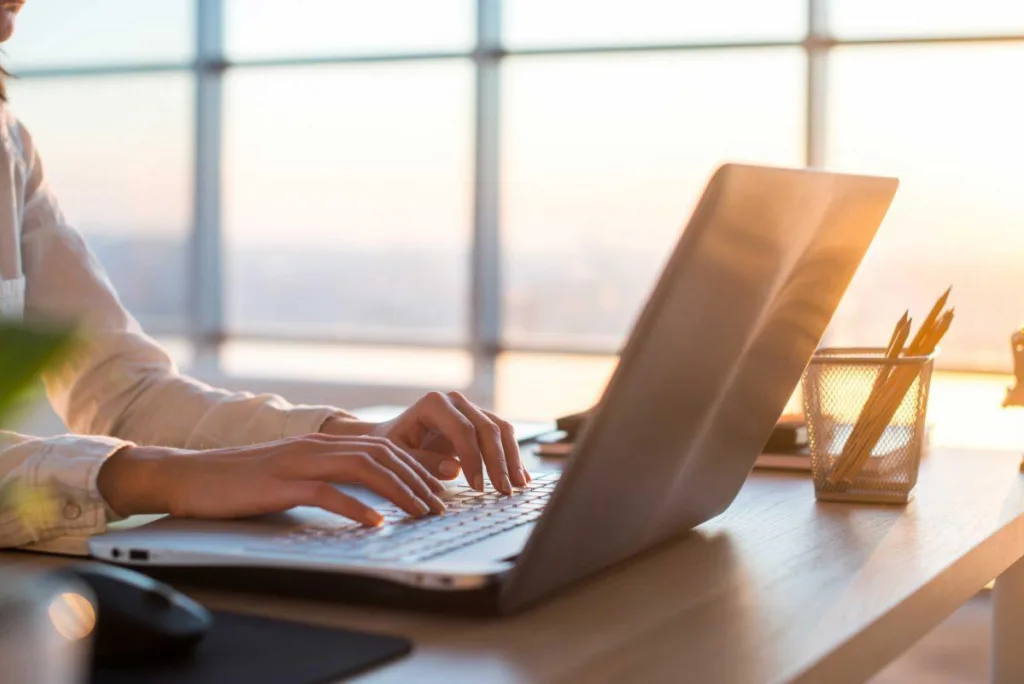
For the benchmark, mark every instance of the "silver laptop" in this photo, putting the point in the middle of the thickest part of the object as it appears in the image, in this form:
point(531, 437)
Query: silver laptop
point(711, 362)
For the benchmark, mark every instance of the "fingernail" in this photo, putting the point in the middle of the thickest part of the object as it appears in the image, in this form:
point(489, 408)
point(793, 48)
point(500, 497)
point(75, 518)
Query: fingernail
point(449, 468)
point(374, 519)
point(518, 480)
point(508, 484)
point(526, 475)
point(478, 483)
point(422, 507)
point(437, 505)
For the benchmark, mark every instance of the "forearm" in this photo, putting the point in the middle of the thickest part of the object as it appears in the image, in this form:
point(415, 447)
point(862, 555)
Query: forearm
point(346, 426)
point(123, 385)
point(137, 480)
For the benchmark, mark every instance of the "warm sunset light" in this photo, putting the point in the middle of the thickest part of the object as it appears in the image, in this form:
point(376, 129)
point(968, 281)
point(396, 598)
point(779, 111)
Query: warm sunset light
point(352, 178)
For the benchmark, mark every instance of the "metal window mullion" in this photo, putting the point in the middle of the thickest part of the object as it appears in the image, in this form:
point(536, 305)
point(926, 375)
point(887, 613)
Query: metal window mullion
point(485, 275)
point(205, 296)
point(817, 47)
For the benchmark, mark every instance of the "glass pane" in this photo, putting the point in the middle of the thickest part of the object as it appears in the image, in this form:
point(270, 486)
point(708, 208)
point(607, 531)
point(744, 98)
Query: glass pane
point(603, 160)
point(545, 386)
point(80, 32)
point(122, 170)
point(268, 28)
point(554, 23)
point(955, 140)
point(888, 18)
point(348, 197)
point(323, 363)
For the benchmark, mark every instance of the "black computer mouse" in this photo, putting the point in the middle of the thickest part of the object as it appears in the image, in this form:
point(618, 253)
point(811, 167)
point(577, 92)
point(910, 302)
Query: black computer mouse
point(139, 620)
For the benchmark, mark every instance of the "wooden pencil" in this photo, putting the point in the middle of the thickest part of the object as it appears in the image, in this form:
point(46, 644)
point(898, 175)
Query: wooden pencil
point(931, 318)
point(896, 342)
point(891, 397)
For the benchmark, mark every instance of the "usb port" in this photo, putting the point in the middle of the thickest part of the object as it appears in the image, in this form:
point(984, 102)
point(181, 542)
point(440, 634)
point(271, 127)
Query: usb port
point(137, 555)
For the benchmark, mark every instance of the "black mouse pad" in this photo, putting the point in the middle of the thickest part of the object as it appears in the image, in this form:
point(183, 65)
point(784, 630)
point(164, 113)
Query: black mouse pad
point(256, 650)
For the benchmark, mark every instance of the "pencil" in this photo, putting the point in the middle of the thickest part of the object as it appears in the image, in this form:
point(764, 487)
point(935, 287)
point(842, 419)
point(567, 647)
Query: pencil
point(896, 342)
point(881, 410)
point(930, 319)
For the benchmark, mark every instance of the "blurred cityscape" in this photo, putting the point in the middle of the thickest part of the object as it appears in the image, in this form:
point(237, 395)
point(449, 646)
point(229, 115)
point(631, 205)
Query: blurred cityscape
point(411, 294)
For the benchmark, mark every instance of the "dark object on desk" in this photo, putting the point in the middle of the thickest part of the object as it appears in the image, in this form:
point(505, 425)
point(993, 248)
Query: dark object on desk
point(798, 461)
point(573, 424)
point(243, 648)
point(1015, 394)
point(789, 436)
point(140, 620)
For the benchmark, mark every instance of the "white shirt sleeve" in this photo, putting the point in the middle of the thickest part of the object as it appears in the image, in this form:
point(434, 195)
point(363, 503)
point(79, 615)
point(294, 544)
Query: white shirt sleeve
point(118, 383)
point(49, 486)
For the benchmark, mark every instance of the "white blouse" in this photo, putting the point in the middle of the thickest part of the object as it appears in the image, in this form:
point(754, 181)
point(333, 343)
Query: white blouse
point(118, 387)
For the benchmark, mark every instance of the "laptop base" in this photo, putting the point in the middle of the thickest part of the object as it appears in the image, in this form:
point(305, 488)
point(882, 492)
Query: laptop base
point(308, 584)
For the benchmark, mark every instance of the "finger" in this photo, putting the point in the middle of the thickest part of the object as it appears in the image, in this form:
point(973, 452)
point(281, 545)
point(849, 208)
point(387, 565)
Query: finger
point(326, 496)
point(422, 473)
point(392, 458)
point(488, 436)
point(442, 465)
point(419, 473)
point(436, 411)
point(513, 458)
point(385, 482)
point(355, 464)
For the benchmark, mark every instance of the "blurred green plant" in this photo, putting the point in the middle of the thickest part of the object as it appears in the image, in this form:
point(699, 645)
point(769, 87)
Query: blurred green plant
point(25, 351)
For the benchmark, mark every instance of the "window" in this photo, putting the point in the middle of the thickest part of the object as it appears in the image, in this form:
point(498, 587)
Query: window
point(269, 29)
point(348, 200)
point(954, 137)
point(924, 18)
point(561, 23)
point(121, 167)
point(479, 194)
point(588, 218)
point(73, 34)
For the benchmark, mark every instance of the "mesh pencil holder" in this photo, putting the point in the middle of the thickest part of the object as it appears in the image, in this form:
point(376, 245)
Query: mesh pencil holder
point(866, 422)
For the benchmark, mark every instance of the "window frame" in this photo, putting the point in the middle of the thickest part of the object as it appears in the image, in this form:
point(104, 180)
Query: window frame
point(205, 314)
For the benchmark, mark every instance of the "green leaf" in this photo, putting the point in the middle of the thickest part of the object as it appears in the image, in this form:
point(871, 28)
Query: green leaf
point(25, 351)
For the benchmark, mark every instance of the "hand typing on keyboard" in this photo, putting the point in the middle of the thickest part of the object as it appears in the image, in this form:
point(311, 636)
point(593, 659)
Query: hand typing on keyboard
point(400, 459)
point(471, 517)
point(267, 478)
point(446, 432)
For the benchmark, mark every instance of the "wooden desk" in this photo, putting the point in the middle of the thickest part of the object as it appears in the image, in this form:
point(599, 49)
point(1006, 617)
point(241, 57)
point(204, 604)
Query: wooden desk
point(779, 588)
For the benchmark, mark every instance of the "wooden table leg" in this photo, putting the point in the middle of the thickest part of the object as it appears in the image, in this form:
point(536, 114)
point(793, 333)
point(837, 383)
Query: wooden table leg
point(1008, 626)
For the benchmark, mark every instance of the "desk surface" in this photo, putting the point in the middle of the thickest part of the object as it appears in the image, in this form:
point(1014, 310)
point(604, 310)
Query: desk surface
point(778, 588)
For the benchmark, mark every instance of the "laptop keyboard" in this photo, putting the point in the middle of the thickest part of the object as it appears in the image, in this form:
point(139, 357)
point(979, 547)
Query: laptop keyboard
point(472, 516)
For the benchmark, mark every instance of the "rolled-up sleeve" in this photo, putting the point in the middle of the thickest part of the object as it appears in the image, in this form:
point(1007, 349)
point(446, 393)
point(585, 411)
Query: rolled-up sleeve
point(49, 487)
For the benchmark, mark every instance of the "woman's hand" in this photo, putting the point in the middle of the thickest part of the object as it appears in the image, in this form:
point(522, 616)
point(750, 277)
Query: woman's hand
point(267, 478)
point(440, 428)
